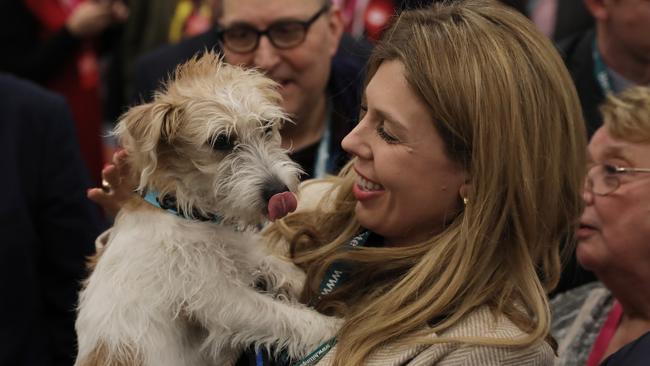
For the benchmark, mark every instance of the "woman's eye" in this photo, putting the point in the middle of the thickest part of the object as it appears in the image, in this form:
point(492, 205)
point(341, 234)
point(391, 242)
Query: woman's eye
point(222, 143)
point(381, 131)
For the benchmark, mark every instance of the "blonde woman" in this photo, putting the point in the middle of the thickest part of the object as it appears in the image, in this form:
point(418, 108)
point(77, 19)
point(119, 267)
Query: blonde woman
point(439, 240)
point(595, 320)
point(468, 166)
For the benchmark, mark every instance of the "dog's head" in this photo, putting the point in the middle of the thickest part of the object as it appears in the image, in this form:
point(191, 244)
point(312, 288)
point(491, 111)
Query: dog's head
point(211, 139)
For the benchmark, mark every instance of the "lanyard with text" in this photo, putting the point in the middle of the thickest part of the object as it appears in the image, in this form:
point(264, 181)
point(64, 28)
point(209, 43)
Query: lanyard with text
point(600, 70)
point(337, 272)
point(333, 278)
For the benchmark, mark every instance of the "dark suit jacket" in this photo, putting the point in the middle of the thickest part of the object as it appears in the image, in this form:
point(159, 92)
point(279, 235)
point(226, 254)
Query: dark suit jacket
point(577, 53)
point(344, 87)
point(571, 17)
point(47, 226)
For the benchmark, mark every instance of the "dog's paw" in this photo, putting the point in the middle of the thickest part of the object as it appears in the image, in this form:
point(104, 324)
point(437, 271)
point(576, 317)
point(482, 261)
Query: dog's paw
point(283, 279)
point(294, 282)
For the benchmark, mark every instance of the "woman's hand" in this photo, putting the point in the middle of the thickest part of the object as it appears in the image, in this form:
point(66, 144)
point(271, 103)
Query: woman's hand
point(117, 185)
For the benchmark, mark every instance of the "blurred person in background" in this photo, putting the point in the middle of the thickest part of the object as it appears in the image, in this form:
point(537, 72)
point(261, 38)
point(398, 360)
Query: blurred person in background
point(559, 19)
point(595, 320)
point(47, 226)
point(152, 24)
point(611, 57)
point(56, 44)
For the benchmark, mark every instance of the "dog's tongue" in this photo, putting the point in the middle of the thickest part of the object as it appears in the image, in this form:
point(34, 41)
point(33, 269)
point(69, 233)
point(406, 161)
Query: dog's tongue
point(281, 204)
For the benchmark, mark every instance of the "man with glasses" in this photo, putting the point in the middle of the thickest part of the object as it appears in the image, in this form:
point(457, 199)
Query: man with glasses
point(295, 43)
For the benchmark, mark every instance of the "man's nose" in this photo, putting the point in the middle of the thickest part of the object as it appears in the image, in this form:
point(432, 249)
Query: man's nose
point(266, 55)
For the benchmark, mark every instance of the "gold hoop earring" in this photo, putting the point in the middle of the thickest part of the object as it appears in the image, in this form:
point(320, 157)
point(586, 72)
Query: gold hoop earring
point(465, 201)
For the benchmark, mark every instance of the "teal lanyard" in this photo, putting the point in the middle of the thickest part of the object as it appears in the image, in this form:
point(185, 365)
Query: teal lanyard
point(334, 276)
point(321, 165)
point(337, 272)
point(152, 198)
point(319, 353)
point(600, 71)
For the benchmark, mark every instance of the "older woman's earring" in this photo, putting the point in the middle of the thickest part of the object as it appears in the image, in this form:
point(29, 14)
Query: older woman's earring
point(465, 201)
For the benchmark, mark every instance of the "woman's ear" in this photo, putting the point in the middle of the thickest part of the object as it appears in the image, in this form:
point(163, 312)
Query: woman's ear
point(464, 192)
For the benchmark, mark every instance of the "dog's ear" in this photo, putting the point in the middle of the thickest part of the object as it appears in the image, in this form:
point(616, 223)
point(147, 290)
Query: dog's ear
point(171, 120)
point(141, 131)
point(151, 123)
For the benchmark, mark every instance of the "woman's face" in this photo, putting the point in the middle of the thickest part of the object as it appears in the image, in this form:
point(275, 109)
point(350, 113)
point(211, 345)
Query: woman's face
point(614, 233)
point(407, 188)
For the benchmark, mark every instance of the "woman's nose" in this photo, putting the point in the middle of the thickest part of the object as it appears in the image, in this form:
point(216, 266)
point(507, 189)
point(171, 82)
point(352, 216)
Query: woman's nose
point(356, 142)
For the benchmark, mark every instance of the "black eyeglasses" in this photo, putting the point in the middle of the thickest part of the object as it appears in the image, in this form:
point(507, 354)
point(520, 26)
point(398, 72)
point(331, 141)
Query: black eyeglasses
point(244, 38)
point(603, 179)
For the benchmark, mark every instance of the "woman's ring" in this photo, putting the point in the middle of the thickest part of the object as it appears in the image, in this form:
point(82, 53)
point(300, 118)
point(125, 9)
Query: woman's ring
point(106, 187)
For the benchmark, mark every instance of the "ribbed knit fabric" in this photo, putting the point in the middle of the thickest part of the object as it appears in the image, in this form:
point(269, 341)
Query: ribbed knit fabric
point(480, 323)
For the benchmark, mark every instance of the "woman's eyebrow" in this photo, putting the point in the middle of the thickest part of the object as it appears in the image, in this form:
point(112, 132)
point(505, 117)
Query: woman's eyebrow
point(391, 119)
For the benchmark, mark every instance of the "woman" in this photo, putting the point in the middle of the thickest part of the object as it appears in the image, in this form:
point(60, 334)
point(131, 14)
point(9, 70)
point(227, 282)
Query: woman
point(439, 240)
point(467, 162)
point(595, 320)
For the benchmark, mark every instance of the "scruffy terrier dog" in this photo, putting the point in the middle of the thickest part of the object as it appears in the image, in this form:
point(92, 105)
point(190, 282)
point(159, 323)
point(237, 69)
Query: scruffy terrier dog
point(175, 285)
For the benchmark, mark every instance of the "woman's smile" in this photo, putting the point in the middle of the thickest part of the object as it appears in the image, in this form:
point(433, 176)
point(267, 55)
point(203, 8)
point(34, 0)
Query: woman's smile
point(365, 189)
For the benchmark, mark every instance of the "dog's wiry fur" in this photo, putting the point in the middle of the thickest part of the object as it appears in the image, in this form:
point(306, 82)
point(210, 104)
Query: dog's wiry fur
point(169, 290)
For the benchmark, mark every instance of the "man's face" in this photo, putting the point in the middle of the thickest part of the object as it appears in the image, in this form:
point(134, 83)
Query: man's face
point(302, 71)
point(628, 23)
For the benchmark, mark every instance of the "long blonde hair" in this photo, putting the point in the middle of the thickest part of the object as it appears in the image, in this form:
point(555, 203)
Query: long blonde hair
point(508, 112)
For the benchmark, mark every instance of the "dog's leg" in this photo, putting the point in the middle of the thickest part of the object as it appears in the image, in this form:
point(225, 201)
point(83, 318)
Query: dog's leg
point(254, 318)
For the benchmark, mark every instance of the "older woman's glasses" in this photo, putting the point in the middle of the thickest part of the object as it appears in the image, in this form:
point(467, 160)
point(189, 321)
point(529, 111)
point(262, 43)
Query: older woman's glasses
point(603, 179)
point(244, 38)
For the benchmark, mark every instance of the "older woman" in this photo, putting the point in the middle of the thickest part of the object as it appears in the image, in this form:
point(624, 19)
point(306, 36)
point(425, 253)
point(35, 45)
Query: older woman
point(595, 320)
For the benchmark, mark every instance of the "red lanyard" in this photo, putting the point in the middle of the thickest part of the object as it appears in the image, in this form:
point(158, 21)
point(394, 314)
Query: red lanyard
point(605, 336)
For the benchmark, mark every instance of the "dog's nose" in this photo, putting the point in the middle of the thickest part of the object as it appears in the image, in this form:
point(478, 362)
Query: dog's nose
point(273, 188)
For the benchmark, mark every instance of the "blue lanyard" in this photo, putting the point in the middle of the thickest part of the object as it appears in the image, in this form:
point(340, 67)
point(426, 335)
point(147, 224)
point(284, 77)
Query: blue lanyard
point(321, 165)
point(333, 278)
point(600, 71)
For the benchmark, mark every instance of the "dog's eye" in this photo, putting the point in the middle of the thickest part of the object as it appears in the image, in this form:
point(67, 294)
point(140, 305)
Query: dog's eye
point(268, 128)
point(222, 143)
